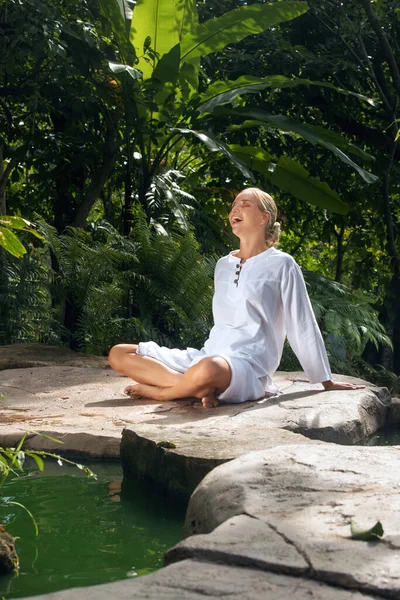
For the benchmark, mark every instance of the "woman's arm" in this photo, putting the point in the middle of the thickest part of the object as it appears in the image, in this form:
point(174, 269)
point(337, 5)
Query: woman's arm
point(303, 332)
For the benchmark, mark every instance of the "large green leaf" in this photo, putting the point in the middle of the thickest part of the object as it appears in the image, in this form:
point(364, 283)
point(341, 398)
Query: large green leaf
point(223, 92)
point(292, 177)
point(315, 135)
point(189, 77)
point(11, 243)
point(186, 15)
point(233, 26)
point(256, 159)
point(15, 222)
point(215, 145)
point(188, 19)
point(114, 12)
point(167, 68)
point(325, 134)
point(154, 27)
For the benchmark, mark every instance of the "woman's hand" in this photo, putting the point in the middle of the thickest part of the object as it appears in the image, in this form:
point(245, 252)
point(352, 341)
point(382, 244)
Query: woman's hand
point(337, 385)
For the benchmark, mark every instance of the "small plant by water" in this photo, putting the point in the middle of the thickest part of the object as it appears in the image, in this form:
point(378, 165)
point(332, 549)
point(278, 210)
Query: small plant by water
point(12, 462)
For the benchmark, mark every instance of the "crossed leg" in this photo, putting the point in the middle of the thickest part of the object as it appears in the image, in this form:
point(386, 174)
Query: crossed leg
point(205, 380)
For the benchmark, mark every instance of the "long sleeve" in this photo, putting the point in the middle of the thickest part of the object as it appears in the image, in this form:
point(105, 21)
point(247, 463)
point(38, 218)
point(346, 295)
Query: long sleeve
point(301, 326)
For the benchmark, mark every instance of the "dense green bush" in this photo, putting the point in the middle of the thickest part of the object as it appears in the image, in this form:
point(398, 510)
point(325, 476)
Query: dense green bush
point(153, 286)
point(119, 289)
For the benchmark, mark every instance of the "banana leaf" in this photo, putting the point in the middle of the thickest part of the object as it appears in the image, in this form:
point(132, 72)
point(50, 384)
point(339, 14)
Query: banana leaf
point(233, 26)
point(223, 92)
point(154, 31)
point(291, 177)
point(314, 135)
point(215, 145)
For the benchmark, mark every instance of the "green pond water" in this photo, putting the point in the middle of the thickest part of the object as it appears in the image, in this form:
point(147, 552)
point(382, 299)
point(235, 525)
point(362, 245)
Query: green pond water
point(384, 437)
point(90, 531)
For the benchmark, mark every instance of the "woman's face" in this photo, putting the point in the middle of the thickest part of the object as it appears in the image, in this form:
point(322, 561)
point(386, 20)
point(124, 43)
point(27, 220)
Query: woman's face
point(245, 216)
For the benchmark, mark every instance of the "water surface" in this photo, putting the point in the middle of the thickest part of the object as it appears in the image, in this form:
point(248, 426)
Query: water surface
point(384, 437)
point(90, 531)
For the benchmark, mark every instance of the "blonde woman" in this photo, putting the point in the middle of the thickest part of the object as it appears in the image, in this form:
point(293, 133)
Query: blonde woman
point(260, 299)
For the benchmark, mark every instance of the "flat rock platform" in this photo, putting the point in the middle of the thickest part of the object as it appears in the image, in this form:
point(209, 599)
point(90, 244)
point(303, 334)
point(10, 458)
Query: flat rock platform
point(271, 520)
point(175, 443)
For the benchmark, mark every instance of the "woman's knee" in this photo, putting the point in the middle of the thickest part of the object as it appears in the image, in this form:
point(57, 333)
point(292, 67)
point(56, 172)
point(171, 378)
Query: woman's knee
point(119, 352)
point(212, 371)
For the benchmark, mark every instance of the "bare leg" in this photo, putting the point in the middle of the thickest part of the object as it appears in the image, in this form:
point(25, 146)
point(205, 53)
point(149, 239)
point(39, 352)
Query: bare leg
point(210, 377)
point(143, 369)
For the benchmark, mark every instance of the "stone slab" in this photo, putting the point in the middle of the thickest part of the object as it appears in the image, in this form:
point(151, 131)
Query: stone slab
point(87, 409)
point(302, 498)
point(22, 356)
point(192, 580)
point(197, 450)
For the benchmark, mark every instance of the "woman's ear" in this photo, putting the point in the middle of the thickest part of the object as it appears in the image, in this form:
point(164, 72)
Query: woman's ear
point(265, 217)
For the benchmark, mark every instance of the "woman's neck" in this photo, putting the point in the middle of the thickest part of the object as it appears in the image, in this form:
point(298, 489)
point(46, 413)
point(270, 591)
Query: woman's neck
point(251, 248)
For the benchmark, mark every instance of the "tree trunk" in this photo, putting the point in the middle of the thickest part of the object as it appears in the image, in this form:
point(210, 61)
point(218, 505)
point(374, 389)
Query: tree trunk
point(4, 302)
point(5, 173)
point(340, 253)
point(99, 179)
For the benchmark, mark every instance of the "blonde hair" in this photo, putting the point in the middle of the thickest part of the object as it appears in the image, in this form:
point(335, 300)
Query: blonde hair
point(267, 204)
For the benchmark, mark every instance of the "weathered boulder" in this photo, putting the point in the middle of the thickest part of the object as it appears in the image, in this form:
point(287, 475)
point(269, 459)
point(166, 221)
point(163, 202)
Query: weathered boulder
point(86, 409)
point(178, 452)
point(276, 521)
point(194, 580)
point(8, 555)
point(288, 510)
point(177, 458)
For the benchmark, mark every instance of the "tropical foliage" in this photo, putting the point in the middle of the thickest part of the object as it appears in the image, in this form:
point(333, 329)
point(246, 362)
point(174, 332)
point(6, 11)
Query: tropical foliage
point(128, 127)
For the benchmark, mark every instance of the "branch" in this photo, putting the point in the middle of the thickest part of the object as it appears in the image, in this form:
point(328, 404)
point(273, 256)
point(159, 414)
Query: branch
point(6, 174)
point(385, 100)
point(384, 43)
point(388, 213)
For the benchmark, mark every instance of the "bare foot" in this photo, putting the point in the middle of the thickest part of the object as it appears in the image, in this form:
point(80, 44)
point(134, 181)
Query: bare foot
point(210, 401)
point(337, 385)
point(141, 390)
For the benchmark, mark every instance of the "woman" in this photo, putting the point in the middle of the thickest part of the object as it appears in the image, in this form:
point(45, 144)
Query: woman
point(260, 298)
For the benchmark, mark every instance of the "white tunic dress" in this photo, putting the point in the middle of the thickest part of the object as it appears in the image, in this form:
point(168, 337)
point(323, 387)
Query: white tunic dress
point(251, 321)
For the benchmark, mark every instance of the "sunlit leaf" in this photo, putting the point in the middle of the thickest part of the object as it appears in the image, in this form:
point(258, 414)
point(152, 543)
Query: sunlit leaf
point(47, 437)
point(366, 535)
point(11, 243)
point(292, 177)
point(153, 25)
point(29, 513)
point(233, 26)
point(257, 159)
point(117, 69)
point(37, 460)
point(315, 135)
point(21, 459)
point(215, 145)
point(223, 92)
